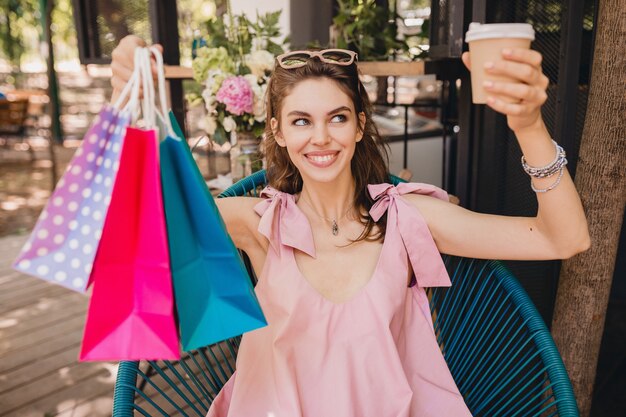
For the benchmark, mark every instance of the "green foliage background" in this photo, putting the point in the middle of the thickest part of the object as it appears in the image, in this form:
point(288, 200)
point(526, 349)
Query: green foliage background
point(20, 27)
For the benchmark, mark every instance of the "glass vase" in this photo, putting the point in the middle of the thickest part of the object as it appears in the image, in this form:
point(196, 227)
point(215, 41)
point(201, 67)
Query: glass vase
point(245, 155)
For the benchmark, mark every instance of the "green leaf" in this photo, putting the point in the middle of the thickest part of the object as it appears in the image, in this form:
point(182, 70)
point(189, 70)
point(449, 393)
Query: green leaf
point(340, 19)
point(258, 129)
point(274, 49)
point(220, 136)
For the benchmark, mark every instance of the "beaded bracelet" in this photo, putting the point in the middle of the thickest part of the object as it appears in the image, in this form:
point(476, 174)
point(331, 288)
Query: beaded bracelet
point(557, 165)
point(550, 187)
point(549, 170)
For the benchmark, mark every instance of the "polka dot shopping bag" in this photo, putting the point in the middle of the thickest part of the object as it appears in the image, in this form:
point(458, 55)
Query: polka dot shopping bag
point(62, 246)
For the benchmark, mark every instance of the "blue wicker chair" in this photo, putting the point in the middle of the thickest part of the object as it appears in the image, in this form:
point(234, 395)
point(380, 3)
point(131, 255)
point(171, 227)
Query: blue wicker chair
point(497, 347)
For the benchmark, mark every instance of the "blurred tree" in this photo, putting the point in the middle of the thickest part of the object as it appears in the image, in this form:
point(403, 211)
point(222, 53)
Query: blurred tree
point(17, 17)
point(63, 31)
point(21, 31)
point(46, 7)
point(193, 16)
point(366, 28)
point(119, 18)
point(585, 280)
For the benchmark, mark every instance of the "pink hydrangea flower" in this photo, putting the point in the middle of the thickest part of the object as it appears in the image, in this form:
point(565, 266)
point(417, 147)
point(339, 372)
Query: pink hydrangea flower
point(237, 95)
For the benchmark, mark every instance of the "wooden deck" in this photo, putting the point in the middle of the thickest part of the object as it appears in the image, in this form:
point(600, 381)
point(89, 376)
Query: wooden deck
point(41, 326)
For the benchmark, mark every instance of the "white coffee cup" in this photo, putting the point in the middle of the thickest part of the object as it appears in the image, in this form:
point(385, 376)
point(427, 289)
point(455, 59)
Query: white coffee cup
point(486, 42)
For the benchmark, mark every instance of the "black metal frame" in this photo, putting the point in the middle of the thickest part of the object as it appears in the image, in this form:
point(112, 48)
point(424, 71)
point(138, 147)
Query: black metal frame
point(85, 18)
point(163, 17)
point(454, 12)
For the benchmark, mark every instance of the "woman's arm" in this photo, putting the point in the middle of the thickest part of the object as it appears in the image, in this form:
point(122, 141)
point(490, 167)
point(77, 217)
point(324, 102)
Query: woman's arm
point(242, 222)
point(458, 231)
point(559, 229)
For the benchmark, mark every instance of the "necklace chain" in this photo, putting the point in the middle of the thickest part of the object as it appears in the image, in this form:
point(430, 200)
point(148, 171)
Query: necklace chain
point(334, 225)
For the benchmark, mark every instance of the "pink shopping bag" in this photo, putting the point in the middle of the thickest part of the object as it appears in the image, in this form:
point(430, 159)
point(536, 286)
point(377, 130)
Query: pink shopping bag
point(63, 244)
point(131, 312)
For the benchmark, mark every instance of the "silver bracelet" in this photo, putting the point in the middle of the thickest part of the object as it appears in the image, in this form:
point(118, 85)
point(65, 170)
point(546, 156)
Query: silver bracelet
point(551, 186)
point(548, 170)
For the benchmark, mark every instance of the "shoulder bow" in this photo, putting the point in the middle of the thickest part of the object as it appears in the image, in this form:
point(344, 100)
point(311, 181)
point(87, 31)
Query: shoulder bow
point(423, 254)
point(282, 222)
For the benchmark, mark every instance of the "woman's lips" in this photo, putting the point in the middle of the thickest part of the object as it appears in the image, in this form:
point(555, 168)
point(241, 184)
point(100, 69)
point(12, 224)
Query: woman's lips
point(322, 159)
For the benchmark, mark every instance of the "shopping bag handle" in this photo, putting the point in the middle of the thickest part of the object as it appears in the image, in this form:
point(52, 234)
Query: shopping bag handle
point(151, 110)
point(130, 89)
point(142, 77)
point(161, 88)
point(126, 91)
point(147, 103)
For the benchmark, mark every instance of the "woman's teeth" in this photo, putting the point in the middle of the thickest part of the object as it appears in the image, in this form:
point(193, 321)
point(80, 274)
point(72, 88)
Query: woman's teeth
point(324, 158)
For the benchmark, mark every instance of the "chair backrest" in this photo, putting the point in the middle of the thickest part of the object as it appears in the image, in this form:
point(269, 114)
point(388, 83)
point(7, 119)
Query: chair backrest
point(495, 343)
point(13, 114)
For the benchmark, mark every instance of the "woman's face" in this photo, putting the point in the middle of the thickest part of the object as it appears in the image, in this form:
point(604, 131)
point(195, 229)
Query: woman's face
point(319, 128)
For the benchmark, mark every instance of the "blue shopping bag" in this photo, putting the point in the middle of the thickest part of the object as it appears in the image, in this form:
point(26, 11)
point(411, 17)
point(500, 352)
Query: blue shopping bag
point(214, 296)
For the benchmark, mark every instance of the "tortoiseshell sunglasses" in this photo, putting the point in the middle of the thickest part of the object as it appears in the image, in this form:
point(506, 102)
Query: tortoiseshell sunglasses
point(297, 59)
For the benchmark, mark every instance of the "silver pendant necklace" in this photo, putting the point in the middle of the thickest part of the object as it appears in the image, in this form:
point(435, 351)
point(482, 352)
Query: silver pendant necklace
point(333, 222)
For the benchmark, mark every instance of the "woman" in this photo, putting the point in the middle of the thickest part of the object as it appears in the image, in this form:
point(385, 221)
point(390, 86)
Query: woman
point(343, 258)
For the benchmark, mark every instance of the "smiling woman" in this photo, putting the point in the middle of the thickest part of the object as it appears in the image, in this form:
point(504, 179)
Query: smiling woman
point(318, 115)
point(343, 258)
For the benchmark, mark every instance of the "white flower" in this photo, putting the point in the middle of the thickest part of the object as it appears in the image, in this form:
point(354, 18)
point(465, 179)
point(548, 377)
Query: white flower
point(259, 44)
point(259, 96)
point(259, 111)
point(209, 99)
point(229, 124)
point(214, 80)
point(209, 124)
point(259, 62)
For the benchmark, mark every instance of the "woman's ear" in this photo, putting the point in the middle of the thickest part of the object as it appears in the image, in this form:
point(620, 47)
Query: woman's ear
point(361, 127)
point(278, 137)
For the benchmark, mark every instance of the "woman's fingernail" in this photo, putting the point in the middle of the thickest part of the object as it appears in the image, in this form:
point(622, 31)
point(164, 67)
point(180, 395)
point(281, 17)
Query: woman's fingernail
point(507, 52)
point(491, 100)
point(489, 65)
point(488, 84)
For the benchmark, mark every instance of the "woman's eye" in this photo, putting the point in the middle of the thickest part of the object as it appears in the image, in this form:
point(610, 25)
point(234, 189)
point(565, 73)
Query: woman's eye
point(300, 122)
point(339, 118)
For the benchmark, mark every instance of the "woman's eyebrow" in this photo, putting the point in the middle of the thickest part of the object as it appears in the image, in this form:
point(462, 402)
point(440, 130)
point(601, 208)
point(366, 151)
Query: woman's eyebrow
point(302, 113)
point(339, 109)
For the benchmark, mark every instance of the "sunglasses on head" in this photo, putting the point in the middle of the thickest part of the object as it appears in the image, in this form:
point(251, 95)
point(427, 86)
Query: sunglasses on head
point(297, 59)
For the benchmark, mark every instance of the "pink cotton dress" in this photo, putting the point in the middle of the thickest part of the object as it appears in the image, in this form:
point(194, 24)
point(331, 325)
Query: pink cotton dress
point(374, 355)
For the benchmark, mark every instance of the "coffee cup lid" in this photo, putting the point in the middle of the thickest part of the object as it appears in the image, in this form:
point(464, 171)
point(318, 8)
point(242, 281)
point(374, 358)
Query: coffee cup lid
point(479, 31)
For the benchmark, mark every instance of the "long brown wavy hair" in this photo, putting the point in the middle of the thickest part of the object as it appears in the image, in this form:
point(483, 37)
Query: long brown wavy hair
point(370, 161)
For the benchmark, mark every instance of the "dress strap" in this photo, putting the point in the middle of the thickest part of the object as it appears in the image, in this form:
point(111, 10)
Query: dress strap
point(424, 256)
point(282, 222)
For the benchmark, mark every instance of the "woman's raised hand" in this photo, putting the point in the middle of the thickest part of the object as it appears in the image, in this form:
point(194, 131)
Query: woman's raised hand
point(123, 62)
point(520, 100)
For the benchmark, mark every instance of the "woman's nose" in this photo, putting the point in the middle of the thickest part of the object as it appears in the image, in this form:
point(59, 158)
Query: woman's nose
point(320, 135)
